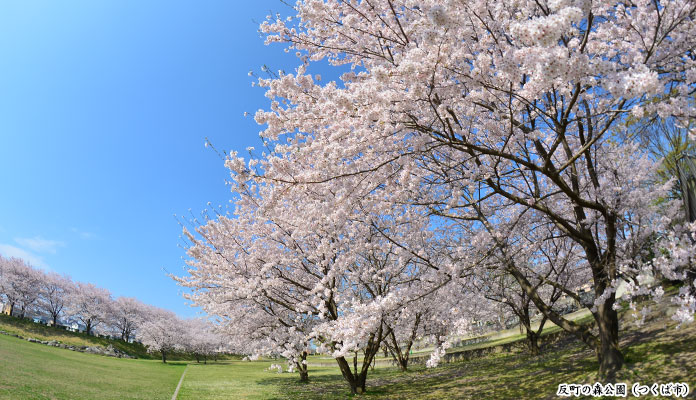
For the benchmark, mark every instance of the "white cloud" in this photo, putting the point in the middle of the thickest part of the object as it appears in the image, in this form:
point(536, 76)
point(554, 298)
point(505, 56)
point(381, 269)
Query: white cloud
point(8, 250)
point(40, 245)
point(83, 234)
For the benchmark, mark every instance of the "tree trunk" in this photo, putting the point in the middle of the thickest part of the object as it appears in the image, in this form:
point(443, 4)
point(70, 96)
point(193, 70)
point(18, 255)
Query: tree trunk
point(89, 327)
point(302, 367)
point(164, 356)
point(533, 342)
point(532, 336)
point(304, 376)
point(356, 380)
point(608, 352)
point(401, 357)
point(55, 320)
point(12, 306)
point(357, 385)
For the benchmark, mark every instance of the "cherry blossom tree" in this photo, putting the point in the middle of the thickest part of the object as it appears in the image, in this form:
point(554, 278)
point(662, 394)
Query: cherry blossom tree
point(260, 328)
point(201, 339)
point(55, 293)
point(280, 278)
point(7, 294)
point(127, 314)
point(6, 284)
point(20, 284)
point(488, 112)
point(162, 332)
point(91, 305)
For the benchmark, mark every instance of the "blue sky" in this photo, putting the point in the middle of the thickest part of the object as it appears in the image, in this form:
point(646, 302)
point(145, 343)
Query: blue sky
point(104, 107)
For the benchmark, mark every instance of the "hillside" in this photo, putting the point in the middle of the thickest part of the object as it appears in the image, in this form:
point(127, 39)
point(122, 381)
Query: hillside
point(29, 329)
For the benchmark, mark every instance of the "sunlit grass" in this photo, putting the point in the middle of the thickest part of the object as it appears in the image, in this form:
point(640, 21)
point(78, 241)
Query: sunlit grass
point(35, 371)
point(654, 352)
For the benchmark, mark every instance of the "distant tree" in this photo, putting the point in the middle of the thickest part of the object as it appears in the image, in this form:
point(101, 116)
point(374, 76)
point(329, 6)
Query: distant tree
point(90, 305)
point(201, 340)
point(127, 315)
point(162, 332)
point(20, 284)
point(55, 292)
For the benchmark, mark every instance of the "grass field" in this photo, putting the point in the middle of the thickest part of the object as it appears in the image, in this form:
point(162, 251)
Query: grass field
point(35, 371)
point(655, 352)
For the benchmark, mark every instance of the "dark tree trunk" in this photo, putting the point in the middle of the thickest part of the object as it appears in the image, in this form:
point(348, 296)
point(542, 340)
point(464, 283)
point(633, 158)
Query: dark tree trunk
point(401, 357)
point(55, 320)
point(532, 336)
point(533, 343)
point(304, 376)
point(89, 327)
point(12, 307)
point(603, 272)
point(357, 380)
point(608, 352)
point(164, 356)
point(302, 367)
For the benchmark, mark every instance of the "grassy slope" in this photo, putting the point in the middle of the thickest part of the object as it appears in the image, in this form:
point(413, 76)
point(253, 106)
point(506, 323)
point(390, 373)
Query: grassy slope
point(35, 371)
point(28, 328)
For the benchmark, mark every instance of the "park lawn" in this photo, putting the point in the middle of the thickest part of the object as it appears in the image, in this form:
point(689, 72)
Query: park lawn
point(655, 352)
point(249, 380)
point(35, 371)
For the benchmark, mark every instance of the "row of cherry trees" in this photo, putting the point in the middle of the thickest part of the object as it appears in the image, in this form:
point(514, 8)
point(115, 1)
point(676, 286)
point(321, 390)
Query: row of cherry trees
point(468, 154)
point(29, 291)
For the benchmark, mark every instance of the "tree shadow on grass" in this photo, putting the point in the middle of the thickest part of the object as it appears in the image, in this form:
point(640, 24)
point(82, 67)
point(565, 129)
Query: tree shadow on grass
point(656, 352)
point(500, 376)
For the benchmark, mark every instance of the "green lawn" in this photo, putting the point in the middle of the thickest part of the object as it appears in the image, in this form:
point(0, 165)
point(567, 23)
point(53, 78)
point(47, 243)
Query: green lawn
point(35, 371)
point(655, 352)
point(243, 380)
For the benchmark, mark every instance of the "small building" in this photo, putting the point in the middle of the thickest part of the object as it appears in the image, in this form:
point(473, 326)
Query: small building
point(43, 320)
point(74, 326)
